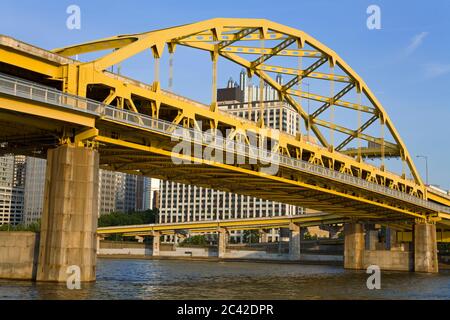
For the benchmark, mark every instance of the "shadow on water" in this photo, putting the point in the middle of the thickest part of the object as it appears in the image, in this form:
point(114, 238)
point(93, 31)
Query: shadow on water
point(176, 279)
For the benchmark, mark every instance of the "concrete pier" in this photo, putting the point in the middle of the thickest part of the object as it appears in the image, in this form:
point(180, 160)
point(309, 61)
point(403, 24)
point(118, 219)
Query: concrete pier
point(371, 239)
point(69, 219)
point(425, 248)
point(294, 242)
point(263, 236)
point(156, 244)
point(222, 243)
point(354, 246)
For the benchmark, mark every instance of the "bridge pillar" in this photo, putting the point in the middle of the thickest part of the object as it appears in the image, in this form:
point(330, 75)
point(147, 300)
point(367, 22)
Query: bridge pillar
point(294, 242)
point(70, 214)
point(391, 239)
point(263, 236)
point(354, 246)
point(156, 243)
point(99, 238)
point(425, 248)
point(371, 238)
point(222, 243)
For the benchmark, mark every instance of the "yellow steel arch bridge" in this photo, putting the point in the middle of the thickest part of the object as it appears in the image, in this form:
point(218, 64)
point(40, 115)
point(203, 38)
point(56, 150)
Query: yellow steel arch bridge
point(49, 98)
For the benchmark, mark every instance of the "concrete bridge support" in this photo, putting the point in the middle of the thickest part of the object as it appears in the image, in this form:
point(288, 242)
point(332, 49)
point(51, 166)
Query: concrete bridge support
point(69, 218)
point(99, 238)
point(354, 246)
point(371, 238)
point(425, 248)
point(156, 243)
point(222, 243)
point(294, 242)
point(263, 236)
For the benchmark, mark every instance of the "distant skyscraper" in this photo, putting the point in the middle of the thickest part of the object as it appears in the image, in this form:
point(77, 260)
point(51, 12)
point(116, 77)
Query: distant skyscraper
point(12, 183)
point(120, 192)
point(34, 189)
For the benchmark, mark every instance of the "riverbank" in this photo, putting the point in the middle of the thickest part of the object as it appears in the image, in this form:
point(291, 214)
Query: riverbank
point(215, 259)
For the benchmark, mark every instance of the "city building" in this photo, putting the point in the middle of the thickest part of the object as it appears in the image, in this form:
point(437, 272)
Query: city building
point(34, 189)
point(12, 184)
point(185, 203)
point(22, 183)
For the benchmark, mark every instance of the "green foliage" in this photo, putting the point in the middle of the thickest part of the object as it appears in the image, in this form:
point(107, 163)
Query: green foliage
point(308, 236)
point(251, 236)
point(199, 240)
point(127, 219)
point(34, 227)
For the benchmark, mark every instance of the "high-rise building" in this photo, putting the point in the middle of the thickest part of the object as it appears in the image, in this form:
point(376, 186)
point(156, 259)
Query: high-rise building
point(22, 183)
point(34, 189)
point(12, 183)
point(184, 203)
point(121, 192)
point(151, 193)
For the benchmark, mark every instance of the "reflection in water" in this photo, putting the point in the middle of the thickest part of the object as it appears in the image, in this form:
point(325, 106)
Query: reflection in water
point(176, 279)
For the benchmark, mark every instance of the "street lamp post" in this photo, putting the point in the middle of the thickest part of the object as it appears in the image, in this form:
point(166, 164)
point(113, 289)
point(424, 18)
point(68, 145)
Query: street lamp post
point(426, 166)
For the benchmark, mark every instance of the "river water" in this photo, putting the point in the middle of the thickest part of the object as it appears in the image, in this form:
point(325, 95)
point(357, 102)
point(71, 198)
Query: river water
point(181, 279)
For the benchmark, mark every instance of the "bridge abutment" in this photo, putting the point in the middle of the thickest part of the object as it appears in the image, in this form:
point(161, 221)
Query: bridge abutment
point(70, 214)
point(425, 248)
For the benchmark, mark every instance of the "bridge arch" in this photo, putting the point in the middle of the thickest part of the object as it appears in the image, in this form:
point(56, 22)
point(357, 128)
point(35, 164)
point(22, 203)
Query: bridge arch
point(223, 37)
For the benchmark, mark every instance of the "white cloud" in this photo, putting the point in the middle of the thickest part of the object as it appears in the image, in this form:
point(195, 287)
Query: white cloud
point(416, 42)
point(433, 70)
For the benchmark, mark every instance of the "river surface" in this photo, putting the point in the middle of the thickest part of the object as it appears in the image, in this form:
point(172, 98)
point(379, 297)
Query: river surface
point(180, 279)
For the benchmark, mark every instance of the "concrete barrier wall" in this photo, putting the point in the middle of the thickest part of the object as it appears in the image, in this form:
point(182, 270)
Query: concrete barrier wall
point(190, 252)
point(19, 255)
point(212, 253)
point(125, 251)
point(389, 260)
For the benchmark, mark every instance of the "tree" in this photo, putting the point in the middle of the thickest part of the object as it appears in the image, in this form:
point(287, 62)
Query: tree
point(33, 227)
point(251, 236)
point(199, 240)
point(127, 219)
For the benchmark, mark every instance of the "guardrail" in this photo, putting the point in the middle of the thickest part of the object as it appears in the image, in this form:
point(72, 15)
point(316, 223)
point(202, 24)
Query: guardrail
point(29, 90)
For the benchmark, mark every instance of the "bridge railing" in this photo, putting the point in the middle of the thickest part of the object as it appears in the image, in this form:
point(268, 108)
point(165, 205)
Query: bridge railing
point(29, 90)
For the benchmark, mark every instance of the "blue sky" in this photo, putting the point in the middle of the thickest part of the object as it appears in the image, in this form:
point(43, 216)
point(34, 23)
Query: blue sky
point(406, 63)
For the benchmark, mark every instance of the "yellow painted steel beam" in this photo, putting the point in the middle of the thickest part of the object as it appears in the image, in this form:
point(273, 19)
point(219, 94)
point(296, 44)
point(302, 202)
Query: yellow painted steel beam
point(231, 37)
point(99, 45)
point(34, 108)
point(441, 236)
point(315, 75)
point(345, 104)
point(282, 53)
point(260, 174)
point(31, 63)
point(239, 224)
point(366, 137)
